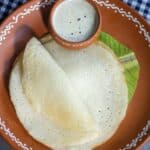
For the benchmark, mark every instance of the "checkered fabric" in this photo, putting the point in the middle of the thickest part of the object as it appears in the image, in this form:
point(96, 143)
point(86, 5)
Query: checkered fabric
point(142, 6)
point(7, 6)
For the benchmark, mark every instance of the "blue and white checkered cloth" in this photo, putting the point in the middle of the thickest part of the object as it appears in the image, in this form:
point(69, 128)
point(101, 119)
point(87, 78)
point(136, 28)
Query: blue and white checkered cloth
point(7, 6)
point(142, 6)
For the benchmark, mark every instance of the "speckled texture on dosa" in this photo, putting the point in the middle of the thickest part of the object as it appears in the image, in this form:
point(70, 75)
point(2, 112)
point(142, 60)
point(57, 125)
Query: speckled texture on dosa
point(7, 6)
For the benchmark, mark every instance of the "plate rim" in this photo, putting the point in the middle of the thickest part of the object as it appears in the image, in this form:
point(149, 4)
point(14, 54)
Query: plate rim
point(134, 12)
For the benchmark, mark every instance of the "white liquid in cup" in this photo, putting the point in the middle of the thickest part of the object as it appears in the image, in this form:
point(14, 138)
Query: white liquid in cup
point(75, 20)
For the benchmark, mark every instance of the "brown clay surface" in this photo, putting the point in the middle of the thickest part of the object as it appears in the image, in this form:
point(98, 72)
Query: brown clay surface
point(119, 27)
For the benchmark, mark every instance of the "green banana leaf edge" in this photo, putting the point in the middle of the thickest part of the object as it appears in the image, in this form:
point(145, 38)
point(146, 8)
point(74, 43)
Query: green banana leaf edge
point(127, 58)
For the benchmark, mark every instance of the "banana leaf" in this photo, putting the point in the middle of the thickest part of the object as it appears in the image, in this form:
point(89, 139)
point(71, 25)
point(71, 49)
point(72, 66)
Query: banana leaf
point(127, 58)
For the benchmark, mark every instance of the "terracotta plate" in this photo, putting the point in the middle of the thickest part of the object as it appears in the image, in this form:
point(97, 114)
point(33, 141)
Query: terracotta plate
point(122, 23)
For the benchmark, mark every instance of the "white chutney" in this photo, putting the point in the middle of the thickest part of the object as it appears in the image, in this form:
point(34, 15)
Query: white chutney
point(75, 20)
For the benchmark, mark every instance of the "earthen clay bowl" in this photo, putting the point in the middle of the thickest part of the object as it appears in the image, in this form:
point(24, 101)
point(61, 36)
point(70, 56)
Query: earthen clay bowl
point(122, 23)
point(74, 45)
